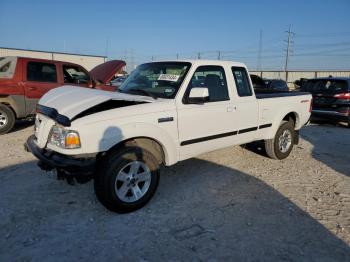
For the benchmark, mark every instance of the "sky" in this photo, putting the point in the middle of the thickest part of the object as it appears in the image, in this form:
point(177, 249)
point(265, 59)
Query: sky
point(139, 31)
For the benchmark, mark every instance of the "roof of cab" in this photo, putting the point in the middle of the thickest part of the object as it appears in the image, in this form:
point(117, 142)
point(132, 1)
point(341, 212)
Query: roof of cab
point(42, 60)
point(200, 62)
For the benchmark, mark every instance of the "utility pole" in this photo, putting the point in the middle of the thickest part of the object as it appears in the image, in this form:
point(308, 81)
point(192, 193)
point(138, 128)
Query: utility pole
point(199, 55)
point(132, 61)
point(258, 67)
point(107, 43)
point(219, 55)
point(288, 51)
point(177, 56)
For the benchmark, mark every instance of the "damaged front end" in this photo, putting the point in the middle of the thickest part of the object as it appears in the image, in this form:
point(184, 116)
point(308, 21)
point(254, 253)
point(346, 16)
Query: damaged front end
point(79, 167)
point(57, 143)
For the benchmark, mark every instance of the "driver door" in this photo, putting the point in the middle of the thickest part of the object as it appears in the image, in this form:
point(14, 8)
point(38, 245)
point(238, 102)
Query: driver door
point(210, 125)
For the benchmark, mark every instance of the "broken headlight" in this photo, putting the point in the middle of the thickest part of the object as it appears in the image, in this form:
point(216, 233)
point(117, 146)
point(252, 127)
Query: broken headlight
point(63, 138)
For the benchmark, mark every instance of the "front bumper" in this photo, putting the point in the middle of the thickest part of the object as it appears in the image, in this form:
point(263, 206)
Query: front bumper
point(48, 160)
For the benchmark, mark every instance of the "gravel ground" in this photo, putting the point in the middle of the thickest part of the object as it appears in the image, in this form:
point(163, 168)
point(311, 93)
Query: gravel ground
point(233, 204)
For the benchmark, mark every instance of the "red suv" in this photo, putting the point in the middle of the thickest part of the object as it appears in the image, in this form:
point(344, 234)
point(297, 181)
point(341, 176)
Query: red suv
point(23, 81)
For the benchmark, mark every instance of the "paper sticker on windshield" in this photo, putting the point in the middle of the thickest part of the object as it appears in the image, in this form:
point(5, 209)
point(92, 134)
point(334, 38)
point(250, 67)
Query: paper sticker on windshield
point(168, 77)
point(169, 90)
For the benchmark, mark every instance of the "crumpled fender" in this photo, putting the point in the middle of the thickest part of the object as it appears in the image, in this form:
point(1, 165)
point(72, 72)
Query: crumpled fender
point(111, 135)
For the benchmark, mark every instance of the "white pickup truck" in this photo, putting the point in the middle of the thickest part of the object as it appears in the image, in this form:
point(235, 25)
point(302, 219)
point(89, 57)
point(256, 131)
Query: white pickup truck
point(163, 113)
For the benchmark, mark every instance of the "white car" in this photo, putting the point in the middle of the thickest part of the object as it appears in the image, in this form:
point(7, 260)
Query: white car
point(163, 113)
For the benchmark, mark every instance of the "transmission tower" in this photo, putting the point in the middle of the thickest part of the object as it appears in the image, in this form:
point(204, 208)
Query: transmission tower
point(289, 50)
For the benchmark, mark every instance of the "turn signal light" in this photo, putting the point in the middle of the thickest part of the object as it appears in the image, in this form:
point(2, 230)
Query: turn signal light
point(72, 140)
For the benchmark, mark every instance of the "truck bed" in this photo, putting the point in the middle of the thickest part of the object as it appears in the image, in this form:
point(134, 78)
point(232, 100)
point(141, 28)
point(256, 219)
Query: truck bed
point(280, 94)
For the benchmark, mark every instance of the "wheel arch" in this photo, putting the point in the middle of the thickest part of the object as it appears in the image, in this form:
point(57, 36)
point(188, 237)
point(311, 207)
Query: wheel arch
point(150, 144)
point(15, 103)
point(284, 116)
point(292, 116)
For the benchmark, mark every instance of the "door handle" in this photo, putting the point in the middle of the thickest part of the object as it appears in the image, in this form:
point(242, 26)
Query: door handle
point(32, 88)
point(231, 109)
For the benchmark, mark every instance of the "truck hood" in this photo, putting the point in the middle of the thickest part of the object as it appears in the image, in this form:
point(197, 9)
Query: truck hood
point(105, 72)
point(70, 101)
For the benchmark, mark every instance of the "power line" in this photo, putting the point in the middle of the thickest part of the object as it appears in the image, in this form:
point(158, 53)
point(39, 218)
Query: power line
point(329, 34)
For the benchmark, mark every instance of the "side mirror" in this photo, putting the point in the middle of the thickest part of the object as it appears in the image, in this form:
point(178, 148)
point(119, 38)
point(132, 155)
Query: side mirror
point(198, 95)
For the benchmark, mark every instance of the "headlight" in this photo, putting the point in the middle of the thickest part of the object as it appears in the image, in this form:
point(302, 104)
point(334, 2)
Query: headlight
point(64, 138)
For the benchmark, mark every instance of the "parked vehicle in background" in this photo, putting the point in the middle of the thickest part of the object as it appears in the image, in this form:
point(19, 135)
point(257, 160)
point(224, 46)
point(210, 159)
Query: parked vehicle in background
point(117, 82)
point(268, 85)
point(277, 85)
point(23, 81)
point(164, 112)
point(331, 98)
point(300, 83)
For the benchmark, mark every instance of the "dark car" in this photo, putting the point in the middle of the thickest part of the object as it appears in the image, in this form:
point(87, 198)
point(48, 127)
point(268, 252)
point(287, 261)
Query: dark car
point(300, 83)
point(276, 85)
point(268, 85)
point(331, 98)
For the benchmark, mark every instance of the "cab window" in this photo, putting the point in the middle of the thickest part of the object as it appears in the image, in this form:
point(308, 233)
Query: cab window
point(213, 78)
point(41, 72)
point(74, 75)
point(242, 82)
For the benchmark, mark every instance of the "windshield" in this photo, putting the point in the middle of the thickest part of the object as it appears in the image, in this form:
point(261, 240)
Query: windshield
point(158, 80)
point(327, 86)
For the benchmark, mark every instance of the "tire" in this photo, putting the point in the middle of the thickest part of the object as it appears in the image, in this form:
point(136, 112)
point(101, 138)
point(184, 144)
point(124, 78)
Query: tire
point(7, 119)
point(273, 146)
point(116, 187)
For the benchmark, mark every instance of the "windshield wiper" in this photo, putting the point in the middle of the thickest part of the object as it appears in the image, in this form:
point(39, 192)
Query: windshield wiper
point(143, 92)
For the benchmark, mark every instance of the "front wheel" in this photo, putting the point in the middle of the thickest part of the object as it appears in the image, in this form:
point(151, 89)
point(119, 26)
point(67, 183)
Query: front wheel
point(126, 179)
point(282, 144)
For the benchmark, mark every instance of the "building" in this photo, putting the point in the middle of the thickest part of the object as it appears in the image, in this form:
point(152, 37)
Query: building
point(87, 61)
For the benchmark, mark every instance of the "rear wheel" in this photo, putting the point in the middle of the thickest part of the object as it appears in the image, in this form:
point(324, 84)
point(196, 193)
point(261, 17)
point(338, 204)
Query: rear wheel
point(7, 119)
point(126, 179)
point(282, 144)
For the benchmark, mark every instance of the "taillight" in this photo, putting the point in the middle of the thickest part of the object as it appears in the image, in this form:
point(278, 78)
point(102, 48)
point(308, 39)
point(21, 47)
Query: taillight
point(345, 96)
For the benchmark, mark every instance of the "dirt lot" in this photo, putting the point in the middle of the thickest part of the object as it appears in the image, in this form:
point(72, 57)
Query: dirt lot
point(233, 204)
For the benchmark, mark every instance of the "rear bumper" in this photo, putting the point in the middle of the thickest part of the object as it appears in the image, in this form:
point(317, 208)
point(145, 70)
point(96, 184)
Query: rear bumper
point(49, 160)
point(332, 115)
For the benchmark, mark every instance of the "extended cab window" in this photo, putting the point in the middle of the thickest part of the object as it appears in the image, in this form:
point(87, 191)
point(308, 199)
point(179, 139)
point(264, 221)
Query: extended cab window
point(41, 72)
point(242, 82)
point(213, 78)
point(74, 75)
